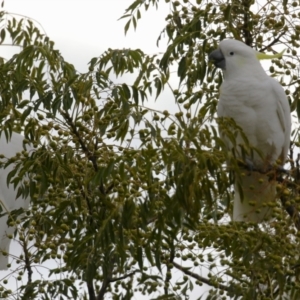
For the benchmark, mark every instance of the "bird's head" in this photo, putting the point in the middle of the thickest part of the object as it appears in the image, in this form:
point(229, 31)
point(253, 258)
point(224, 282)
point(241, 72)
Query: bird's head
point(234, 55)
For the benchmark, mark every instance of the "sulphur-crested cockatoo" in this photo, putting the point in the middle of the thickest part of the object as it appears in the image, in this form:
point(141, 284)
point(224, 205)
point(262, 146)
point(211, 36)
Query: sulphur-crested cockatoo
point(258, 105)
point(8, 195)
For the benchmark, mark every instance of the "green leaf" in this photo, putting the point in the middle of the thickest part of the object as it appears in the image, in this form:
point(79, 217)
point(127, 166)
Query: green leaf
point(93, 61)
point(158, 86)
point(126, 91)
point(2, 35)
point(135, 95)
point(23, 103)
point(298, 108)
point(140, 257)
point(134, 5)
point(127, 26)
point(227, 12)
point(25, 114)
point(182, 68)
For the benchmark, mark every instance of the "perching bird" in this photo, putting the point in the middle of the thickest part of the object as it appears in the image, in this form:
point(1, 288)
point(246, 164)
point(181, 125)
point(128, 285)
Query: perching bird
point(8, 195)
point(258, 104)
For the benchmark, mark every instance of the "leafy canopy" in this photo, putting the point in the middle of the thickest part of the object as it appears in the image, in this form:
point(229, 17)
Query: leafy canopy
point(121, 193)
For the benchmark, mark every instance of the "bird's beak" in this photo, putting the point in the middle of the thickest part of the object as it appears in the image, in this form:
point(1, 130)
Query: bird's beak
point(217, 58)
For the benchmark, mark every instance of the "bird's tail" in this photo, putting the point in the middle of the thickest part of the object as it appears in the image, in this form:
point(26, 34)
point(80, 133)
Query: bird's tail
point(253, 194)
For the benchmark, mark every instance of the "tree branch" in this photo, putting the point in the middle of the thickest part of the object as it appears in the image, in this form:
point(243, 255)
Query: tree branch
point(91, 290)
point(276, 40)
point(92, 158)
point(246, 30)
point(27, 263)
point(122, 277)
point(271, 170)
point(200, 278)
point(293, 212)
point(290, 209)
point(88, 154)
point(104, 286)
point(109, 280)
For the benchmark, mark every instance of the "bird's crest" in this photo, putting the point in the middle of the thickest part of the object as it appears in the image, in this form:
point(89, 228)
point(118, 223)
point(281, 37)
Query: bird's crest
point(260, 55)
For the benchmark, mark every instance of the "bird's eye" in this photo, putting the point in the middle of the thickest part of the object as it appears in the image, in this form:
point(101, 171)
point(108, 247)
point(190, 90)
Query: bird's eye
point(231, 53)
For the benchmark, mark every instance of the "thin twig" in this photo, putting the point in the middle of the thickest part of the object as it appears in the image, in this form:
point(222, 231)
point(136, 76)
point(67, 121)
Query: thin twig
point(276, 40)
point(267, 171)
point(107, 281)
point(27, 263)
point(122, 277)
point(200, 278)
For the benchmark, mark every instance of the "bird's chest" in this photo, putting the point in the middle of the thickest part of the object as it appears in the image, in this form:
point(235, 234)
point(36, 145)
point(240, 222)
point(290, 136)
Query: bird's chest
point(241, 102)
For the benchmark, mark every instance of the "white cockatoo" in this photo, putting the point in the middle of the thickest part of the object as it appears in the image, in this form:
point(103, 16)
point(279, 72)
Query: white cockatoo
point(258, 105)
point(8, 195)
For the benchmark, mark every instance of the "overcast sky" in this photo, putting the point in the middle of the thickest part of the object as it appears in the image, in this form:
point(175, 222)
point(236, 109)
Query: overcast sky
point(82, 29)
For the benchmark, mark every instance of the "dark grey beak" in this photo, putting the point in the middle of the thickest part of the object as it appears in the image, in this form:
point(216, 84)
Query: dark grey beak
point(218, 59)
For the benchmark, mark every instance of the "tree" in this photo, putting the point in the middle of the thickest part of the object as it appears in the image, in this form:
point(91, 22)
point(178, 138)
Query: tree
point(122, 194)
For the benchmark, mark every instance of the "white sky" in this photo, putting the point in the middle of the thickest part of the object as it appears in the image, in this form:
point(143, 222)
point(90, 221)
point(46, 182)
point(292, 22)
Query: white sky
point(83, 29)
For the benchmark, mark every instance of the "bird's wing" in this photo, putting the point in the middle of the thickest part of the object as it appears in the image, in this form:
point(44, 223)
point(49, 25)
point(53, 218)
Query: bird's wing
point(283, 114)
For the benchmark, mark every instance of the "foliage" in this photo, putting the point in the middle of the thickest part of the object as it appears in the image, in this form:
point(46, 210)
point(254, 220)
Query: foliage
point(121, 193)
